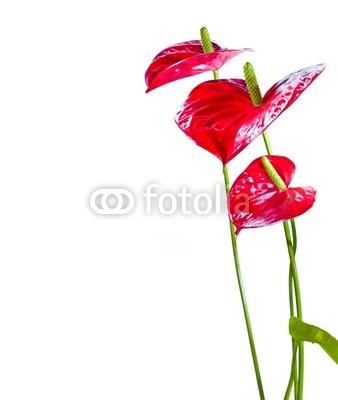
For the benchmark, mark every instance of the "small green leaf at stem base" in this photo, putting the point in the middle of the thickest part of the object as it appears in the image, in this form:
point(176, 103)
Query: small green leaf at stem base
point(303, 332)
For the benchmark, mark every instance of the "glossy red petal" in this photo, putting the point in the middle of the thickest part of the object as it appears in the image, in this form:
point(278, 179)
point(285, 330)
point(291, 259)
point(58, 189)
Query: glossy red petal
point(213, 114)
point(219, 116)
point(283, 93)
point(186, 59)
point(255, 201)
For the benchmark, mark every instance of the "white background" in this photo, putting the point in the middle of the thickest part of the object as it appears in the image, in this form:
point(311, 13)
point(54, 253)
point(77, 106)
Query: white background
point(147, 306)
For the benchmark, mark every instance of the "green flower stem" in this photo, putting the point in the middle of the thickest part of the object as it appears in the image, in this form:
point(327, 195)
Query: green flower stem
point(267, 143)
point(294, 290)
point(293, 372)
point(297, 380)
point(298, 375)
point(295, 279)
point(208, 48)
point(294, 368)
point(242, 293)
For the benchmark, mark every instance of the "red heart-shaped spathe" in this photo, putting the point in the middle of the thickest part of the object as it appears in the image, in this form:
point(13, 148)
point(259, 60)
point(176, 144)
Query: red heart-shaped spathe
point(219, 115)
point(255, 201)
point(186, 59)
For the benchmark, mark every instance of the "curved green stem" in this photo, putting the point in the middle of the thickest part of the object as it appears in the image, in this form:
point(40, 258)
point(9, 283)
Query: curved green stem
point(267, 143)
point(298, 378)
point(293, 371)
point(294, 367)
point(242, 293)
point(296, 287)
point(208, 47)
point(294, 235)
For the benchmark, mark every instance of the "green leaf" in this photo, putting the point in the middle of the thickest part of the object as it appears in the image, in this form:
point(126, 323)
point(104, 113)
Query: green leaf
point(301, 331)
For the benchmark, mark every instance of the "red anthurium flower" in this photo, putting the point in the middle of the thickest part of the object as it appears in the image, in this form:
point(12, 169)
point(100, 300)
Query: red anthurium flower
point(186, 59)
point(254, 199)
point(219, 115)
